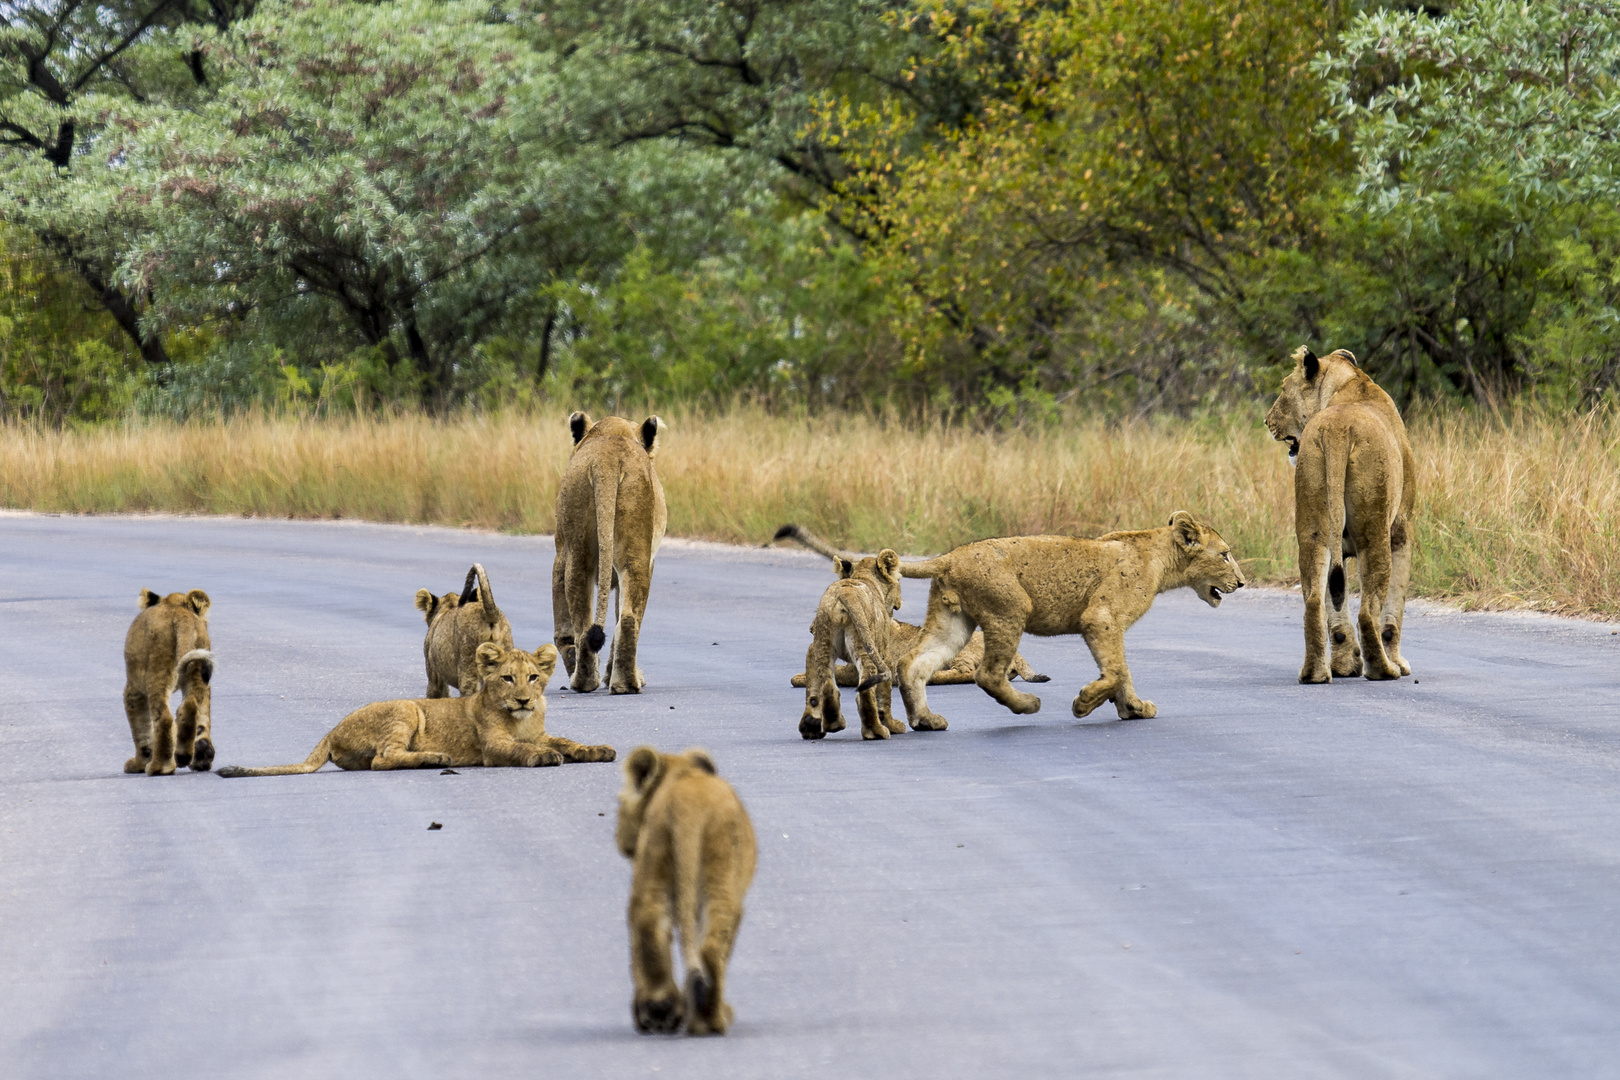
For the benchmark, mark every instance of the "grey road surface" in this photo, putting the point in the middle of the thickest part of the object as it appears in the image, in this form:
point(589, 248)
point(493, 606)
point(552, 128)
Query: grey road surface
point(1419, 879)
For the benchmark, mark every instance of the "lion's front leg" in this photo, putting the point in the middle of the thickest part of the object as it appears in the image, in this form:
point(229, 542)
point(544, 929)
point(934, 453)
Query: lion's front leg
point(577, 752)
point(1400, 576)
point(944, 633)
point(562, 626)
point(1346, 662)
point(1105, 637)
point(504, 750)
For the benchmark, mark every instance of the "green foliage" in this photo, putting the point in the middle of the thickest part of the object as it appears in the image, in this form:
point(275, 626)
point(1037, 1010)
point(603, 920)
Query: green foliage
point(61, 360)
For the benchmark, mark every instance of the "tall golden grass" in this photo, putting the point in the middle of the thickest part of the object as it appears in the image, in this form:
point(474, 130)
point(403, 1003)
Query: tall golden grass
point(1518, 510)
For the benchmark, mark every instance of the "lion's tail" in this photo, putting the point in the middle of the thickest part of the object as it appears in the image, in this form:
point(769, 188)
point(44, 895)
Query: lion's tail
point(198, 662)
point(477, 578)
point(927, 568)
point(317, 757)
point(810, 540)
point(605, 489)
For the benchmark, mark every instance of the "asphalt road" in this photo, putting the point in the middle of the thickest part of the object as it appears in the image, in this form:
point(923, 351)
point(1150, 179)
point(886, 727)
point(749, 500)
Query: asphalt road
point(1419, 879)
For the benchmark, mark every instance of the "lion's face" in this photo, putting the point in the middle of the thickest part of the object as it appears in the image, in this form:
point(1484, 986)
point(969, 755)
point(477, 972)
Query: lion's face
point(1211, 571)
point(1296, 402)
point(515, 681)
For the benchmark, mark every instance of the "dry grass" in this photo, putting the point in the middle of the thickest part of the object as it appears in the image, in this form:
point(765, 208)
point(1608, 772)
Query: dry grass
point(1519, 511)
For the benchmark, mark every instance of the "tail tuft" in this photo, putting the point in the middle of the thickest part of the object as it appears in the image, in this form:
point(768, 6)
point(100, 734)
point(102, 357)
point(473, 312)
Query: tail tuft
point(786, 531)
point(595, 638)
point(232, 770)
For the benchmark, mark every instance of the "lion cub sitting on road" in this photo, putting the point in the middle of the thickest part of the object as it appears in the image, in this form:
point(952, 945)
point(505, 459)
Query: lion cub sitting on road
point(503, 723)
point(456, 629)
point(903, 635)
point(692, 849)
point(1051, 585)
point(167, 644)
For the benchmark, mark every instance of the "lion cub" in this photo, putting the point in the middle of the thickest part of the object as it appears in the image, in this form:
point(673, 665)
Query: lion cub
point(456, 628)
point(692, 850)
point(854, 622)
point(1051, 585)
point(503, 723)
point(167, 644)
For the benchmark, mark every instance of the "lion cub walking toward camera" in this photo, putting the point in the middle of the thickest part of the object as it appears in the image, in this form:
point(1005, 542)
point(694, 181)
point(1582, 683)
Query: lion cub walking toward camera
point(1052, 585)
point(692, 850)
point(610, 521)
point(1355, 484)
point(167, 646)
point(503, 723)
point(457, 627)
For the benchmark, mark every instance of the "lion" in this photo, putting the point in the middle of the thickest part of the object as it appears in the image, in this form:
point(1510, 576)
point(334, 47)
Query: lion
point(502, 723)
point(1352, 504)
point(167, 646)
point(1050, 585)
point(692, 850)
point(853, 622)
point(456, 628)
point(610, 522)
point(964, 666)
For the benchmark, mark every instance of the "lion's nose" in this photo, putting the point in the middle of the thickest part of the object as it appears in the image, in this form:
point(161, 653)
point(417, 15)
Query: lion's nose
point(523, 702)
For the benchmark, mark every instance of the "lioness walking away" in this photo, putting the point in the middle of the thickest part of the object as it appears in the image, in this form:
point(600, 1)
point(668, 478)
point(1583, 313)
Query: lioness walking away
point(167, 645)
point(503, 723)
point(692, 851)
point(1051, 585)
point(1355, 483)
point(610, 522)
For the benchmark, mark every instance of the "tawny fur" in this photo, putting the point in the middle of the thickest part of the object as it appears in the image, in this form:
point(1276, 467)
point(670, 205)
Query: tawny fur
point(502, 723)
point(1050, 585)
point(853, 623)
point(1355, 483)
point(167, 647)
point(457, 626)
point(610, 522)
point(964, 666)
point(692, 851)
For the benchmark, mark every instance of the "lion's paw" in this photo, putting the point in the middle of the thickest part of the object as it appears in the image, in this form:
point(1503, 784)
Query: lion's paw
point(661, 1014)
point(1142, 710)
point(156, 768)
point(928, 721)
point(876, 731)
point(135, 765)
point(542, 758)
point(202, 758)
point(599, 753)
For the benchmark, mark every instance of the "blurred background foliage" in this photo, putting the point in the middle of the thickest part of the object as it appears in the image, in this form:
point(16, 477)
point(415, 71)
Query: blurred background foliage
point(992, 209)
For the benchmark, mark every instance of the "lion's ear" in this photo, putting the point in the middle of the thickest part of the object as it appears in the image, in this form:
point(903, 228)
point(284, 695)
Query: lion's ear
point(651, 428)
point(1346, 354)
point(845, 567)
point(149, 599)
point(643, 768)
point(1313, 366)
point(702, 760)
point(490, 656)
point(198, 601)
point(889, 563)
point(425, 603)
point(578, 423)
point(546, 657)
point(1188, 532)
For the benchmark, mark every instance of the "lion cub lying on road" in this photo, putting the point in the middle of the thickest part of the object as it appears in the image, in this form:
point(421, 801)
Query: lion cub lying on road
point(456, 628)
point(1051, 585)
point(167, 644)
point(504, 723)
point(692, 849)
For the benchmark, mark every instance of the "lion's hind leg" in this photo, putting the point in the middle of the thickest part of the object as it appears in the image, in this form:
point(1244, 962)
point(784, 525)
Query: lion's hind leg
point(392, 732)
point(707, 1010)
point(875, 721)
point(1346, 651)
point(138, 710)
point(657, 1005)
point(162, 760)
point(1001, 637)
point(822, 708)
point(945, 631)
point(1375, 575)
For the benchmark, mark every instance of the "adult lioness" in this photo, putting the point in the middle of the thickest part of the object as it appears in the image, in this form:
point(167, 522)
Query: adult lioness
point(1355, 482)
point(1058, 585)
point(964, 666)
point(610, 522)
point(167, 644)
point(691, 844)
point(503, 723)
point(456, 628)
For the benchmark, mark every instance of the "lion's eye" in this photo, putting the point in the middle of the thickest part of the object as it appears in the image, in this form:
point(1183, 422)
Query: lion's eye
point(506, 678)
point(532, 678)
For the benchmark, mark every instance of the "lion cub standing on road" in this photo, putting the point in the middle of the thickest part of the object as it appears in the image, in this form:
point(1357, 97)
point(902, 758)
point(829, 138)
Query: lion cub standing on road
point(692, 849)
point(610, 521)
point(854, 622)
point(1355, 483)
point(456, 629)
point(1052, 585)
point(503, 723)
point(167, 645)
